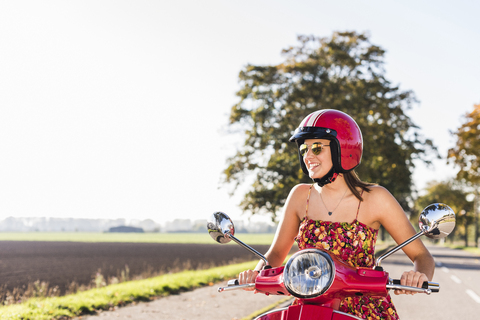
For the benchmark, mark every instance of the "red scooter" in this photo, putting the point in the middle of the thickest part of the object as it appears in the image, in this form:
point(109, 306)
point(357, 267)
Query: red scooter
point(320, 280)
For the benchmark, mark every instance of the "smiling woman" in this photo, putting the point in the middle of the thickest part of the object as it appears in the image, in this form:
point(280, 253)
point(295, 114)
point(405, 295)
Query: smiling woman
point(349, 228)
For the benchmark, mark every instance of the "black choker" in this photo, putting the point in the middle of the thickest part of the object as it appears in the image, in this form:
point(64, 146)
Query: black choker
point(328, 178)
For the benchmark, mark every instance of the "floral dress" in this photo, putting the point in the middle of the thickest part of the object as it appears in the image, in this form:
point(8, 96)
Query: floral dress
point(355, 244)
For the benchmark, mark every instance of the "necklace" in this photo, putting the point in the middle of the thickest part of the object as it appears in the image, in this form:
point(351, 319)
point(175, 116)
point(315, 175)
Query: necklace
point(331, 212)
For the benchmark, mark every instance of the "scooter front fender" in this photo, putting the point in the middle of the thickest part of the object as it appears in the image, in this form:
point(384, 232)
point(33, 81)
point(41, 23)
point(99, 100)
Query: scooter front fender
point(306, 312)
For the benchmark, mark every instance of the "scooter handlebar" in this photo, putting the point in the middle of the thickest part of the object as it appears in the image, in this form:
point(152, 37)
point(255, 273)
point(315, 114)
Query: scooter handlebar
point(428, 287)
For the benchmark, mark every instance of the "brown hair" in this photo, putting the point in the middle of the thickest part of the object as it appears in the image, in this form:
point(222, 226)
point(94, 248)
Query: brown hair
point(354, 182)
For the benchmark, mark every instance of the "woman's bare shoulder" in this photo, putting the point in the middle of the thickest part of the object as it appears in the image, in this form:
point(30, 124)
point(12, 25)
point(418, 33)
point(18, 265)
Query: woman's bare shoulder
point(378, 193)
point(379, 197)
point(299, 190)
point(301, 187)
point(297, 199)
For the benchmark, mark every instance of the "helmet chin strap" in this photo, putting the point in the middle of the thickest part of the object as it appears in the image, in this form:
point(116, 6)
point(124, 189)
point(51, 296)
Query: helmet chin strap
point(328, 178)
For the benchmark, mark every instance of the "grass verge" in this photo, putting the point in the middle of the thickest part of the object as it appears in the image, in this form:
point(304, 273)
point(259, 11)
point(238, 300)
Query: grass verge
point(88, 302)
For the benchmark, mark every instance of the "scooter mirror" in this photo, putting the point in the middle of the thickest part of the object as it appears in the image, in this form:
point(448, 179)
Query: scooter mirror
point(220, 227)
point(437, 221)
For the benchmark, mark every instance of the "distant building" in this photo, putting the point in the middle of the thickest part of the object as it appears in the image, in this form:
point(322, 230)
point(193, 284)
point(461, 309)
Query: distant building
point(125, 229)
point(148, 225)
point(179, 225)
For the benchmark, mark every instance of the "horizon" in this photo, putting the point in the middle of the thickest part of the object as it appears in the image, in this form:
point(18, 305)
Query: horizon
point(133, 221)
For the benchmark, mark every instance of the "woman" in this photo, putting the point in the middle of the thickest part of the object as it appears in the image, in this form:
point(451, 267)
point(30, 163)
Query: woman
point(340, 213)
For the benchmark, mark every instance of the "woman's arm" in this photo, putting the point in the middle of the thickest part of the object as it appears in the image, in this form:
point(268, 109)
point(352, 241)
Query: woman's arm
point(285, 234)
point(392, 217)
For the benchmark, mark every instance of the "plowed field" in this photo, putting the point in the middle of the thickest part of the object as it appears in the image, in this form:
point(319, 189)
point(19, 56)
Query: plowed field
point(61, 263)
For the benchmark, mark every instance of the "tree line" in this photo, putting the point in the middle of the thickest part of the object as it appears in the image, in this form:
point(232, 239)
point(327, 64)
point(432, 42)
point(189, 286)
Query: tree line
point(345, 72)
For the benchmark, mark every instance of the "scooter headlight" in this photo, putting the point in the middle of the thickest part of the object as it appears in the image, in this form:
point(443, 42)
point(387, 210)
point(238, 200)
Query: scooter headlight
point(309, 273)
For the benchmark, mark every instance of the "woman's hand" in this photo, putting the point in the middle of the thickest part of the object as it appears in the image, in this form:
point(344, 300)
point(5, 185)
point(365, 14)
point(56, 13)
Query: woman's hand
point(412, 279)
point(248, 276)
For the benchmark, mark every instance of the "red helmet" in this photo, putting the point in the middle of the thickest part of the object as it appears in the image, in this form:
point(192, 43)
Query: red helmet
point(339, 128)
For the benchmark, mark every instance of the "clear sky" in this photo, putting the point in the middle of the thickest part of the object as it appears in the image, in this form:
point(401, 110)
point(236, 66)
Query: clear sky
point(118, 109)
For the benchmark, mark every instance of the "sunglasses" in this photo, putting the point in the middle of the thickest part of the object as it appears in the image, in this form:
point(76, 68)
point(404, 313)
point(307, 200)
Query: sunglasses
point(317, 147)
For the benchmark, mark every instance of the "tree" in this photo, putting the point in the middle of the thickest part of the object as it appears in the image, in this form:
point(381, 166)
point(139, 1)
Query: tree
point(344, 72)
point(466, 153)
point(452, 194)
point(466, 156)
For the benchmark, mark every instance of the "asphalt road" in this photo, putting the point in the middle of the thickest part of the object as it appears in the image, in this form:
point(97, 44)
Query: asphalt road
point(458, 273)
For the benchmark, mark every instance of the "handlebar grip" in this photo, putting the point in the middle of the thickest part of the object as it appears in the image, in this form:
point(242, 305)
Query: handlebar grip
point(434, 286)
point(233, 282)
